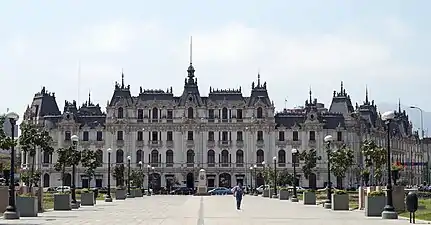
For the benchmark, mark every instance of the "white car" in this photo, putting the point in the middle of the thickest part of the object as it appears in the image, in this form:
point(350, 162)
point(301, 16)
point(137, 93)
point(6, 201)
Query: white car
point(63, 189)
point(260, 188)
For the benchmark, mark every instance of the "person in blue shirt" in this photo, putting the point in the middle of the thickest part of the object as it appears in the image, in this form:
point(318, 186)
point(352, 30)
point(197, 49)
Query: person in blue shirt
point(238, 192)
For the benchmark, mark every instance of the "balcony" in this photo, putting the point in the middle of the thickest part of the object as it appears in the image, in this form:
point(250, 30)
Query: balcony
point(190, 143)
point(170, 144)
point(281, 143)
point(211, 164)
point(139, 143)
point(224, 144)
point(260, 143)
point(211, 120)
point(155, 120)
point(225, 164)
point(190, 164)
point(169, 164)
point(210, 143)
point(296, 142)
point(312, 143)
point(239, 164)
point(155, 144)
point(239, 143)
point(85, 144)
point(281, 164)
point(99, 143)
point(120, 143)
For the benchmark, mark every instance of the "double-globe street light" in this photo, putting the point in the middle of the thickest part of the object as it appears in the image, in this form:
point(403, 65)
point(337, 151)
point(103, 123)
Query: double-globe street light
point(328, 203)
point(75, 139)
point(148, 179)
point(295, 155)
point(251, 180)
point(11, 212)
point(108, 197)
point(255, 180)
point(141, 181)
point(129, 194)
point(389, 210)
point(274, 159)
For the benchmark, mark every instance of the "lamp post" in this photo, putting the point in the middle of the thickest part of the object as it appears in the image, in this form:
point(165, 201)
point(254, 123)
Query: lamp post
point(148, 180)
point(251, 180)
point(274, 195)
point(421, 144)
point(108, 197)
point(255, 180)
point(263, 174)
point(75, 139)
point(129, 194)
point(389, 210)
point(11, 212)
point(328, 203)
point(295, 154)
point(142, 181)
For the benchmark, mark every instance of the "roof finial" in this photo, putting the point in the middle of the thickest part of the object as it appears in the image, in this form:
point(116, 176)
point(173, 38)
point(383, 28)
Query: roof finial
point(399, 105)
point(89, 97)
point(366, 94)
point(122, 78)
point(191, 50)
point(310, 95)
point(258, 78)
point(342, 88)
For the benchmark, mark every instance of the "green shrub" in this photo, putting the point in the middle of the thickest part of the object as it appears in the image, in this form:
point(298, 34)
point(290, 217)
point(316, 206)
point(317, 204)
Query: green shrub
point(78, 191)
point(85, 190)
point(310, 190)
point(376, 193)
point(26, 195)
point(340, 192)
point(283, 188)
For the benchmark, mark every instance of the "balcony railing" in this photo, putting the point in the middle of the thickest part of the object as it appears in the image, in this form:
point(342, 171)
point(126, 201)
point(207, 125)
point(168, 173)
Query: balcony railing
point(139, 143)
point(281, 143)
point(190, 144)
point(120, 143)
point(224, 144)
point(210, 143)
point(155, 143)
point(170, 144)
point(260, 143)
point(240, 143)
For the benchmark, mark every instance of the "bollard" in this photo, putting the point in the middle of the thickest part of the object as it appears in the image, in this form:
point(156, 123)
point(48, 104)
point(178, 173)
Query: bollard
point(412, 205)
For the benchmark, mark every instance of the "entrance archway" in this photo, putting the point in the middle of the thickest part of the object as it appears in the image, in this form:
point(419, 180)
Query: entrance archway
point(155, 181)
point(312, 181)
point(224, 180)
point(190, 180)
point(259, 180)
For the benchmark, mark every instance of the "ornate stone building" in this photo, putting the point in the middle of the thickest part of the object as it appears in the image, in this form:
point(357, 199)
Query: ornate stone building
point(225, 133)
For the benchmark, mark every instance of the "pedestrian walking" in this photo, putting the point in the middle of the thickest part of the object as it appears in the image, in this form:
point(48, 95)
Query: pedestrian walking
point(238, 192)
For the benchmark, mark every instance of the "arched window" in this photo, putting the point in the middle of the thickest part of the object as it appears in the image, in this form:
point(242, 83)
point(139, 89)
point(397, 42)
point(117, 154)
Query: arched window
point(120, 113)
point(281, 157)
point(259, 113)
point(211, 156)
point(155, 113)
point(260, 156)
point(99, 157)
point(154, 157)
point(119, 156)
point(169, 157)
point(190, 156)
point(46, 157)
point(46, 180)
point(224, 156)
point(224, 114)
point(239, 156)
point(190, 113)
point(139, 156)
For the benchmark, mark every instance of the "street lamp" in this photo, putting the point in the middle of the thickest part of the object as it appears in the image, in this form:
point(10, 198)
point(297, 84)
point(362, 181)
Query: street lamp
point(263, 175)
point(274, 195)
point(389, 211)
point(255, 180)
point(421, 143)
point(148, 180)
point(129, 195)
point(75, 139)
point(251, 180)
point(328, 203)
point(295, 154)
point(142, 181)
point(108, 197)
point(11, 212)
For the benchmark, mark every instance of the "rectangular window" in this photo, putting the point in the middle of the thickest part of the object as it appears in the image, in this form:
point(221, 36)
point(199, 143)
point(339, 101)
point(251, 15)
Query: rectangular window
point(312, 135)
point(120, 135)
point(211, 136)
point(239, 114)
point(140, 114)
point(339, 136)
point(140, 136)
point(154, 136)
point(170, 115)
point(67, 135)
point(211, 114)
point(99, 135)
point(239, 136)
point(281, 135)
point(260, 135)
point(85, 136)
point(295, 136)
point(224, 136)
point(190, 135)
point(169, 136)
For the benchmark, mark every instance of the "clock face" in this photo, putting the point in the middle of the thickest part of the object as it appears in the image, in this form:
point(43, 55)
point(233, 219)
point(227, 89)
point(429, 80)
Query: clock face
point(202, 177)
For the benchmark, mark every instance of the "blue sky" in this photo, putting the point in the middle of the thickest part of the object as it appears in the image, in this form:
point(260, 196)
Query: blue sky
point(294, 44)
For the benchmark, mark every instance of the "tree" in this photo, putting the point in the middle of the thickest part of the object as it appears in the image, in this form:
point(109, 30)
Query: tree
point(284, 178)
point(6, 143)
point(310, 161)
point(341, 160)
point(63, 161)
point(137, 178)
point(374, 156)
point(118, 174)
point(90, 162)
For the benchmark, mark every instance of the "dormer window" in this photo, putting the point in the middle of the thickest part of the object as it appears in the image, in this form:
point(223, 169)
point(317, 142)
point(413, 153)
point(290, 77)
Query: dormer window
point(120, 113)
point(140, 114)
point(190, 113)
point(259, 113)
point(224, 113)
point(155, 113)
point(312, 136)
point(339, 136)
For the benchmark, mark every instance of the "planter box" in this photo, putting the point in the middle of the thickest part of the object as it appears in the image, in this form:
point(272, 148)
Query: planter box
point(283, 195)
point(27, 206)
point(120, 194)
point(87, 199)
point(265, 193)
point(62, 202)
point(374, 205)
point(137, 193)
point(309, 198)
point(340, 202)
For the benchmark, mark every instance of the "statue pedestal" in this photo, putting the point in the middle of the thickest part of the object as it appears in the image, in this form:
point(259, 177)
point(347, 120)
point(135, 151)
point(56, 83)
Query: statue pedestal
point(202, 184)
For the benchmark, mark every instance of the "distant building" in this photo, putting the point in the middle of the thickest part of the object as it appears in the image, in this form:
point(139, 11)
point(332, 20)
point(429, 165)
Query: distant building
point(225, 133)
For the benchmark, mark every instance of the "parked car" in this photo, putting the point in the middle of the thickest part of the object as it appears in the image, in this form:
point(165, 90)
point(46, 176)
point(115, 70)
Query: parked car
point(220, 191)
point(182, 191)
point(260, 188)
point(63, 189)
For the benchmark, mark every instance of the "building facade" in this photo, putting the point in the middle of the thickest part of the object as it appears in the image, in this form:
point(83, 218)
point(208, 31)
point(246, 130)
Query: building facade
point(226, 133)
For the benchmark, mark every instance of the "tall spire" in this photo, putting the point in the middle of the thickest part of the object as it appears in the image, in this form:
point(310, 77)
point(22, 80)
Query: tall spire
point(366, 94)
point(258, 78)
point(399, 105)
point(310, 92)
point(342, 88)
point(89, 97)
point(191, 69)
point(191, 50)
point(122, 78)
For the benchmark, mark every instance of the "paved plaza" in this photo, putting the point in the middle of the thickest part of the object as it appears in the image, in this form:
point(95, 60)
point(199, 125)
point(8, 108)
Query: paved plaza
point(211, 210)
